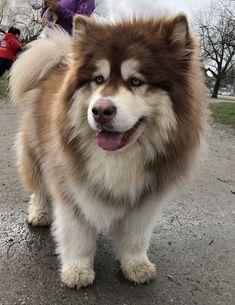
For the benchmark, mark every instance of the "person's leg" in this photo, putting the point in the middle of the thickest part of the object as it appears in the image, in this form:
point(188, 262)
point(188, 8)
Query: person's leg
point(5, 64)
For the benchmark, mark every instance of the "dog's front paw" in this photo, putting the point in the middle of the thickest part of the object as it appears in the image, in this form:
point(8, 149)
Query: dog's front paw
point(77, 277)
point(139, 272)
point(38, 219)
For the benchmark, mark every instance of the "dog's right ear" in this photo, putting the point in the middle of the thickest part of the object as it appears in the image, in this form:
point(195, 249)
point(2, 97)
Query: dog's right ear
point(81, 27)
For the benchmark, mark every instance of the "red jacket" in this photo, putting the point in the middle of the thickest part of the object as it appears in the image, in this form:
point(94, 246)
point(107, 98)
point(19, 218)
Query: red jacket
point(9, 47)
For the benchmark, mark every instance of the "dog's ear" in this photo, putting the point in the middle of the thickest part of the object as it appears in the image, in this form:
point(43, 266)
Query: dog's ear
point(178, 30)
point(81, 26)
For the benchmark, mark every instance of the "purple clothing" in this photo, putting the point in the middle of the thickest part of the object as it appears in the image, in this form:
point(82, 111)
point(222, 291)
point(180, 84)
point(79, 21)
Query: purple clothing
point(68, 8)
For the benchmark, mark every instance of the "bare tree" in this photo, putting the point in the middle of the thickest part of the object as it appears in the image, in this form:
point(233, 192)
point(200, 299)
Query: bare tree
point(101, 9)
point(3, 9)
point(28, 19)
point(216, 27)
point(22, 15)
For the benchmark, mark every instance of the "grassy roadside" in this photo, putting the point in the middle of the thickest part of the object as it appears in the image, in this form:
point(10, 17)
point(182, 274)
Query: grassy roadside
point(3, 86)
point(223, 112)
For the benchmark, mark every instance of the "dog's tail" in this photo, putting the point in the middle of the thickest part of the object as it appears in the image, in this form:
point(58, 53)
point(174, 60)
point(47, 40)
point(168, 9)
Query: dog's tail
point(36, 62)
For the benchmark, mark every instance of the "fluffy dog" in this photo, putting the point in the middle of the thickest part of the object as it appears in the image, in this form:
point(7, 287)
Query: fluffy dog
point(113, 118)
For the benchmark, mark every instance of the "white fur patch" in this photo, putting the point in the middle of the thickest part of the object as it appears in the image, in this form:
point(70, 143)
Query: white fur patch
point(103, 68)
point(163, 121)
point(130, 108)
point(130, 68)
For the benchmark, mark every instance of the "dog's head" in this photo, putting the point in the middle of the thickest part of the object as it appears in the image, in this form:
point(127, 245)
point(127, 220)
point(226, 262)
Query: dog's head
point(130, 81)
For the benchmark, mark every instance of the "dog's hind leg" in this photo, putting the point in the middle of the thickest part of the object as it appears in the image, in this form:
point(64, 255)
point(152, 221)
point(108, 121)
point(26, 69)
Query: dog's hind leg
point(39, 212)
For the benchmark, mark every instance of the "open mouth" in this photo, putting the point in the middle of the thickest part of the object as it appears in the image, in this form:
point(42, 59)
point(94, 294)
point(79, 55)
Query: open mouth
point(111, 140)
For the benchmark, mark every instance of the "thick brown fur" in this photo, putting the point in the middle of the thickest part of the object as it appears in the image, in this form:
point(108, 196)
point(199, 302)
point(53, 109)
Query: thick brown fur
point(57, 147)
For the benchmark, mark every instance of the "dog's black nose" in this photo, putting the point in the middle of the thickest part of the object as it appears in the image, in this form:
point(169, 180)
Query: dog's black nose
point(103, 111)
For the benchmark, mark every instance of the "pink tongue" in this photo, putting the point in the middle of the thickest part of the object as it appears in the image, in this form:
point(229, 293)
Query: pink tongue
point(109, 140)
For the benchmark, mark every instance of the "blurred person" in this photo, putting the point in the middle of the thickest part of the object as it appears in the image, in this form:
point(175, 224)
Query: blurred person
point(61, 13)
point(9, 47)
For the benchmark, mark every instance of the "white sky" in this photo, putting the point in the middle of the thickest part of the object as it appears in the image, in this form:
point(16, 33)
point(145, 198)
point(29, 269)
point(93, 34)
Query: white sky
point(117, 7)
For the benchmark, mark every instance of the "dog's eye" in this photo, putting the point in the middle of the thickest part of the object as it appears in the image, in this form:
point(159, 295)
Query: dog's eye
point(135, 82)
point(99, 79)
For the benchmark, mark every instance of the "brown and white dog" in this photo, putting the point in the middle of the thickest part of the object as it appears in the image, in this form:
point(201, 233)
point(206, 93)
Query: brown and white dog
point(113, 119)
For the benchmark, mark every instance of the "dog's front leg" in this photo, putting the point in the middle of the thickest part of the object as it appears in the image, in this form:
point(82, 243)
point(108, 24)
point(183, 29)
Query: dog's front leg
point(131, 238)
point(76, 245)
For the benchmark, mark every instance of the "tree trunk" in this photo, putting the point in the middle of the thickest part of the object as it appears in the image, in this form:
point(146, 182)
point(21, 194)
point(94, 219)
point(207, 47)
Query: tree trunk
point(216, 88)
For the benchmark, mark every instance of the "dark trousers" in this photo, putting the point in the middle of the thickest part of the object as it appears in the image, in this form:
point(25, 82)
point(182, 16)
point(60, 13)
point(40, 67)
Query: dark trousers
point(5, 64)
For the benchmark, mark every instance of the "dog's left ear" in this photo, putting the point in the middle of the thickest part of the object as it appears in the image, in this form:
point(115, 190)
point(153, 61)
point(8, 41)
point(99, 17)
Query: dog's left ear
point(81, 26)
point(178, 30)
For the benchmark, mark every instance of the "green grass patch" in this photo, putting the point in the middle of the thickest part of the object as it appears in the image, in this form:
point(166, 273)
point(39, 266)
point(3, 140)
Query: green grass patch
point(223, 112)
point(3, 85)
